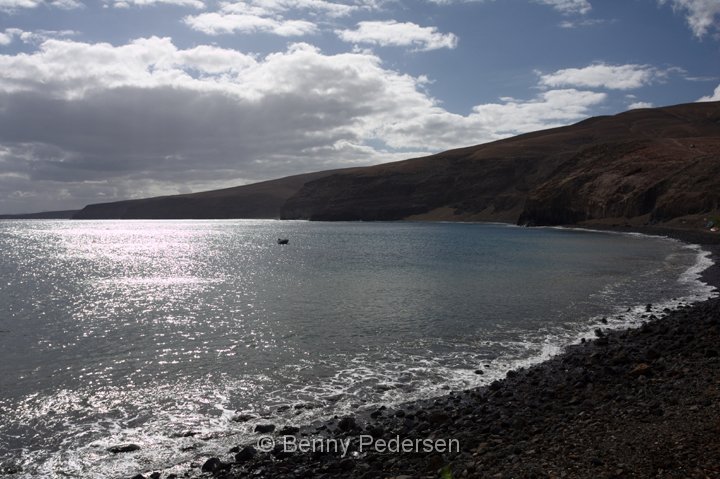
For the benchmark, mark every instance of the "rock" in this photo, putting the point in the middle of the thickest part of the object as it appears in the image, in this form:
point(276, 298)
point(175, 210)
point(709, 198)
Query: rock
point(438, 418)
point(264, 428)
point(642, 369)
point(245, 454)
point(376, 431)
point(243, 417)
point(279, 451)
point(10, 468)
point(289, 431)
point(347, 424)
point(213, 465)
point(123, 448)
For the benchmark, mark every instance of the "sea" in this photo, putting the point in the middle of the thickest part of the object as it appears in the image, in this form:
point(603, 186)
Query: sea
point(160, 333)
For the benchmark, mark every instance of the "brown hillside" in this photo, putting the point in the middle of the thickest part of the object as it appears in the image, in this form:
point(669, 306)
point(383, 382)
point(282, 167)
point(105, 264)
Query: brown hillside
point(649, 165)
point(655, 163)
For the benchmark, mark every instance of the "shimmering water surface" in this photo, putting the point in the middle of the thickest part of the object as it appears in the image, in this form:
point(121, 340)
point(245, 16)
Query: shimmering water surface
point(138, 331)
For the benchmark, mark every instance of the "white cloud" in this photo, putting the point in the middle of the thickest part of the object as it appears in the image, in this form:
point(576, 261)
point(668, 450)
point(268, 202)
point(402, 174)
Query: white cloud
point(569, 6)
point(215, 23)
point(714, 97)
point(13, 5)
point(149, 118)
point(583, 22)
point(640, 104)
point(701, 14)
point(601, 75)
point(275, 7)
point(272, 16)
point(7, 37)
point(566, 7)
point(199, 4)
point(392, 33)
point(37, 36)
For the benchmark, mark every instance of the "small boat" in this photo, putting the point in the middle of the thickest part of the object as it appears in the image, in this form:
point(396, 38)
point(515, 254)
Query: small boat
point(283, 241)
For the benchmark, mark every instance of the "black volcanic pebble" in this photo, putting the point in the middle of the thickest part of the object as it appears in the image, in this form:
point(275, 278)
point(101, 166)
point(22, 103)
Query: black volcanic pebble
point(289, 431)
point(264, 428)
point(243, 417)
point(347, 423)
point(245, 454)
point(123, 448)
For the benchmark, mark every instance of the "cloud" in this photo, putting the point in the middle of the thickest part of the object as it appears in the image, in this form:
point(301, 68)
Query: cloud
point(38, 36)
point(275, 7)
point(566, 7)
point(569, 6)
point(700, 14)
point(7, 37)
point(13, 5)
point(640, 104)
point(601, 75)
point(83, 122)
point(584, 22)
point(199, 4)
point(392, 33)
point(714, 97)
point(271, 16)
point(218, 23)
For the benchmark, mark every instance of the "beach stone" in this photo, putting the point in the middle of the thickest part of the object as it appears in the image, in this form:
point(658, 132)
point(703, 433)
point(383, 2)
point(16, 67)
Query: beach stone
point(10, 468)
point(213, 465)
point(347, 424)
point(243, 417)
point(245, 454)
point(642, 369)
point(438, 418)
point(264, 428)
point(120, 448)
point(347, 464)
point(289, 431)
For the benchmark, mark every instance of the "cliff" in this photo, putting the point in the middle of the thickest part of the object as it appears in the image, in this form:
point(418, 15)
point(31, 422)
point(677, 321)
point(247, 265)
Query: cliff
point(642, 166)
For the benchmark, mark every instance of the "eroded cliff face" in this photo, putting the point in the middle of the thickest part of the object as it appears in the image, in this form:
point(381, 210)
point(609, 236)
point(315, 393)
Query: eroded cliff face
point(654, 164)
point(658, 179)
point(650, 165)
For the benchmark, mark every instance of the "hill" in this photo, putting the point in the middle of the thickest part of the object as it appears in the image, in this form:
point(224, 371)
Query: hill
point(641, 166)
point(45, 215)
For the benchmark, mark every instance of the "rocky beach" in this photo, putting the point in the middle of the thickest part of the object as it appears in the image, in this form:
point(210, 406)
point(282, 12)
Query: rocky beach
point(634, 403)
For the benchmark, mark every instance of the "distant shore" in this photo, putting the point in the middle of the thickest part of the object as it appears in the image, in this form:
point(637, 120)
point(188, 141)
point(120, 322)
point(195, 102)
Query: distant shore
point(634, 403)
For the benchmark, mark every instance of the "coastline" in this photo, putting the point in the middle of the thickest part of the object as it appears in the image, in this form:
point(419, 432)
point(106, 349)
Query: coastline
point(641, 402)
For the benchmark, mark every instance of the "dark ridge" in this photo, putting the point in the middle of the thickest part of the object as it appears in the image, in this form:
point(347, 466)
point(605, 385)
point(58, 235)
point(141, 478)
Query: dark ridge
point(44, 215)
point(647, 166)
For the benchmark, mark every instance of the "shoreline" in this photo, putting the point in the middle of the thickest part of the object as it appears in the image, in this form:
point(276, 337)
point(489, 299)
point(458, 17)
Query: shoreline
point(642, 402)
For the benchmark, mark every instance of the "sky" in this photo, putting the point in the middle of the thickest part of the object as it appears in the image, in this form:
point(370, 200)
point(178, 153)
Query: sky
point(103, 100)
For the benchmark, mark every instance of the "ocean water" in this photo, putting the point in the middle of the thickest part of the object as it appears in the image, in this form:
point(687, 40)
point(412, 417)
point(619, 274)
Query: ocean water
point(117, 332)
